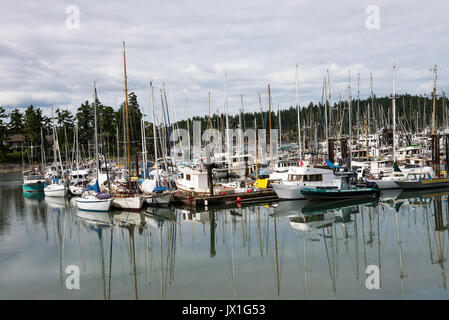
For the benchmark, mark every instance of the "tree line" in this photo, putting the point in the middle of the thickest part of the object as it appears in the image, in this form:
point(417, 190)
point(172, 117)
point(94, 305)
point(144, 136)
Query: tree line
point(413, 113)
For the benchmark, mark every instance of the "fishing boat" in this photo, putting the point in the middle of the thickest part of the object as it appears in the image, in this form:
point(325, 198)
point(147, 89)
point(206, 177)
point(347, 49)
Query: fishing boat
point(33, 182)
point(389, 180)
point(192, 180)
point(343, 192)
point(340, 193)
point(423, 179)
point(303, 177)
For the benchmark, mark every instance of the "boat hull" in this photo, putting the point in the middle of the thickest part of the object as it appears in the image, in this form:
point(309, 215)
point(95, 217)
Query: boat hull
point(97, 205)
point(55, 192)
point(338, 194)
point(33, 187)
point(290, 192)
point(385, 184)
point(159, 199)
point(128, 203)
point(424, 184)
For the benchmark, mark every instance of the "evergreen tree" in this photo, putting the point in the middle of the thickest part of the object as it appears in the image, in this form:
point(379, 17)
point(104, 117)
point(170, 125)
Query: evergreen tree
point(3, 128)
point(134, 118)
point(16, 122)
point(85, 117)
point(33, 123)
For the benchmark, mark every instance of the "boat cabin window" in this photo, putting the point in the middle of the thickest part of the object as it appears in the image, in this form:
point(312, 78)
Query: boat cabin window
point(294, 177)
point(313, 177)
point(35, 177)
point(306, 178)
point(418, 176)
point(188, 177)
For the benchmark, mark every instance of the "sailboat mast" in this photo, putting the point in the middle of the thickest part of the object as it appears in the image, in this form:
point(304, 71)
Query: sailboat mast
point(299, 112)
point(154, 134)
point(127, 120)
point(42, 151)
point(394, 113)
point(269, 120)
point(280, 126)
point(96, 129)
point(227, 123)
point(325, 109)
point(434, 97)
point(350, 122)
point(330, 96)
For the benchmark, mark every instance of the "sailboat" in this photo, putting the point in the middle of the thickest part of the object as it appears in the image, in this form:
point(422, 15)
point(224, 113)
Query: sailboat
point(56, 189)
point(155, 195)
point(124, 198)
point(100, 202)
point(32, 180)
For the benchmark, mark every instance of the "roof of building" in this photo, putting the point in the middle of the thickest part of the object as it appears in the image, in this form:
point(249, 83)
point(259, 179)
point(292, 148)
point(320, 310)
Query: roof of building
point(16, 138)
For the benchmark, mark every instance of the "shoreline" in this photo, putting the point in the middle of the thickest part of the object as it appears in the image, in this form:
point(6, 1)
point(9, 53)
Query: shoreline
point(10, 167)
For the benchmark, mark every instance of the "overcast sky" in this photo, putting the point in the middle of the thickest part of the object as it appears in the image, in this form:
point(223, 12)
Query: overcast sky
point(192, 44)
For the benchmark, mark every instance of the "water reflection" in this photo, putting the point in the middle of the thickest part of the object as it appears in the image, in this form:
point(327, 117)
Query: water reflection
point(287, 250)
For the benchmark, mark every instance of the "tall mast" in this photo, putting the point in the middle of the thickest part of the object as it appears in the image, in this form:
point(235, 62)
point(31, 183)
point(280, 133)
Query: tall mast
point(325, 108)
point(55, 158)
point(144, 150)
point(154, 134)
point(299, 112)
point(210, 121)
point(188, 126)
point(280, 126)
point(372, 98)
point(42, 151)
point(445, 109)
point(97, 164)
point(269, 120)
point(227, 123)
point(127, 120)
point(350, 122)
point(118, 147)
point(240, 144)
point(330, 96)
point(434, 97)
point(77, 146)
point(394, 113)
point(255, 143)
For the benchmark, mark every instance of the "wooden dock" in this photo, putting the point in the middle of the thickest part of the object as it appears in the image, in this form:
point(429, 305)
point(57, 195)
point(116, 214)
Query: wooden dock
point(190, 199)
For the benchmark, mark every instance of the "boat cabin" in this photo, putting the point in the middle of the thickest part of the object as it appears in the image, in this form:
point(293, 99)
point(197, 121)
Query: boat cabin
point(192, 180)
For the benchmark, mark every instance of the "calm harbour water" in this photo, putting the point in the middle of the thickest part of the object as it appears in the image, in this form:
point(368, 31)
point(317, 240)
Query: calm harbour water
point(292, 250)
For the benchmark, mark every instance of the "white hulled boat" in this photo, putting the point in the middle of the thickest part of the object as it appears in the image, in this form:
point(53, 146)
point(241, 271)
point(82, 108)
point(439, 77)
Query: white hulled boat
point(55, 190)
point(305, 177)
point(93, 203)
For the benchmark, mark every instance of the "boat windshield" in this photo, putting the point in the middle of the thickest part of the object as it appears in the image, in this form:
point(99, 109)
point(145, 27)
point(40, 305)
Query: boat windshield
point(35, 177)
point(305, 178)
point(418, 176)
